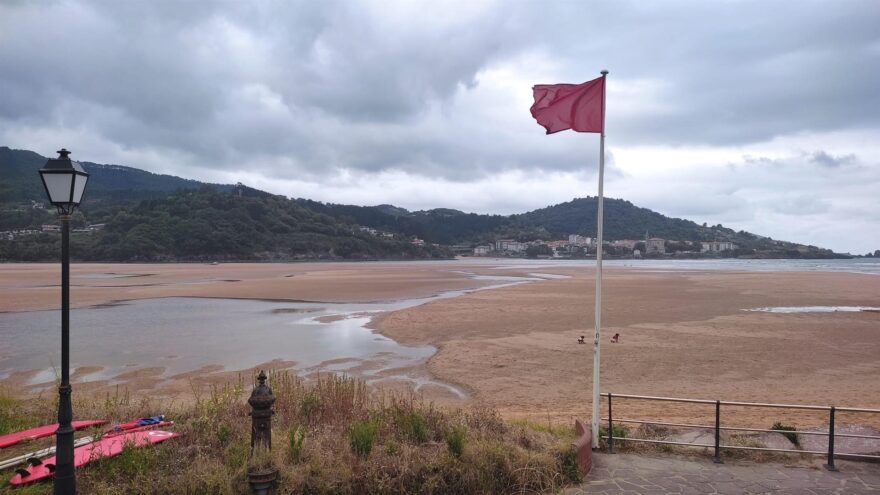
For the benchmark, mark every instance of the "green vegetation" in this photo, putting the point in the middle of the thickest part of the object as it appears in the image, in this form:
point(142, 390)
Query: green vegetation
point(413, 425)
point(207, 225)
point(787, 431)
point(296, 440)
point(455, 439)
point(152, 217)
point(618, 432)
point(362, 437)
point(341, 440)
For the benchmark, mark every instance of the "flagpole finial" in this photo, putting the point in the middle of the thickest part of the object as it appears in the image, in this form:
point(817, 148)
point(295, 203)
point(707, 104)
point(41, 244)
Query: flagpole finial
point(604, 73)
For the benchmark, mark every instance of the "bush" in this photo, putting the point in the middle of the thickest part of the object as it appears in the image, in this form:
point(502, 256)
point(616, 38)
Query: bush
point(455, 441)
point(569, 466)
point(618, 432)
point(413, 426)
point(362, 437)
point(297, 438)
point(787, 431)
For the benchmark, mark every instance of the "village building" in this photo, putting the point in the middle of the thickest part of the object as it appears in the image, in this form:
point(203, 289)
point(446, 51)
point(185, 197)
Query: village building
point(482, 250)
point(655, 245)
point(579, 240)
point(510, 245)
point(624, 243)
point(717, 246)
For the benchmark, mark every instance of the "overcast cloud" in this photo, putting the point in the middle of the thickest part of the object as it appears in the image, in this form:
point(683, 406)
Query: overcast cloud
point(763, 116)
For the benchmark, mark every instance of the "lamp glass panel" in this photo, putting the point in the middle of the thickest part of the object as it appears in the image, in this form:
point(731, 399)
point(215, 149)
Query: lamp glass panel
point(58, 186)
point(78, 187)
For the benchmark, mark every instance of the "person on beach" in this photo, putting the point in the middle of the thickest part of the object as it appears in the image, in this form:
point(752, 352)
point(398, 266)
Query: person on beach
point(581, 340)
point(616, 338)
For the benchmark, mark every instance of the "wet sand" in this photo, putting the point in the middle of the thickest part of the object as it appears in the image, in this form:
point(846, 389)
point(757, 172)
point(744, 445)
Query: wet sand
point(35, 286)
point(683, 333)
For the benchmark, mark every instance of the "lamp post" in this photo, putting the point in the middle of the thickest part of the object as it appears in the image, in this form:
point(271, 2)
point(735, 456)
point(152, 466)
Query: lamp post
point(65, 181)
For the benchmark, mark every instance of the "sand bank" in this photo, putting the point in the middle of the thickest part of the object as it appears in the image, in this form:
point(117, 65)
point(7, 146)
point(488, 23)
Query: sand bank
point(683, 334)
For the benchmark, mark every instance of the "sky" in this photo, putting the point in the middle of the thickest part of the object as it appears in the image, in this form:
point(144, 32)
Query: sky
point(762, 116)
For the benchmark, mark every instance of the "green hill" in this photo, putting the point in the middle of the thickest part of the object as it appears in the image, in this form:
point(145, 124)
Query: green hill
point(157, 217)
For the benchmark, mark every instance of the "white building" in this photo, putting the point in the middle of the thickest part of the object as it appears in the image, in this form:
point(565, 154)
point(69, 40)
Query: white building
point(579, 240)
point(510, 245)
point(624, 243)
point(717, 246)
point(482, 250)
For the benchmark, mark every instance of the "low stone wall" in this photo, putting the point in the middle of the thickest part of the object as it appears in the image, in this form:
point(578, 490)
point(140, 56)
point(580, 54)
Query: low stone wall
point(583, 446)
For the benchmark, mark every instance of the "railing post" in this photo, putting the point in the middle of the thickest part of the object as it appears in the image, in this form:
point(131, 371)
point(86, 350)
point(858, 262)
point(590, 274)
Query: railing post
point(717, 459)
point(610, 427)
point(830, 466)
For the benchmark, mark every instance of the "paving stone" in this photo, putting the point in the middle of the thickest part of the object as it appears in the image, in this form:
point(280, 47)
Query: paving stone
point(634, 474)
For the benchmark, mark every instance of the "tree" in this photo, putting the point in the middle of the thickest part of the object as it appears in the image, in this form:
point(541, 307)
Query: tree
point(538, 250)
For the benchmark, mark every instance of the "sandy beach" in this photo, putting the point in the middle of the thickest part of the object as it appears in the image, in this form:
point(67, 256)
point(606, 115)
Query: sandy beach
point(684, 333)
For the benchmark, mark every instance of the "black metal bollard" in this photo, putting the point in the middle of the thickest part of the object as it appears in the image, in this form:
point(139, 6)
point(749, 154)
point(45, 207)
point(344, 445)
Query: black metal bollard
point(261, 413)
point(717, 459)
point(261, 479)
point(830, 466)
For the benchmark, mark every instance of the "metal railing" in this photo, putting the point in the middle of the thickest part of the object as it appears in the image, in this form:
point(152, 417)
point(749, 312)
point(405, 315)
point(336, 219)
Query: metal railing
point(831, 434)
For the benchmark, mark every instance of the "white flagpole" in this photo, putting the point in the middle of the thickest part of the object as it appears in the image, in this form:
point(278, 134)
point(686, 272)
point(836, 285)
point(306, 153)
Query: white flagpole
point(599, 222)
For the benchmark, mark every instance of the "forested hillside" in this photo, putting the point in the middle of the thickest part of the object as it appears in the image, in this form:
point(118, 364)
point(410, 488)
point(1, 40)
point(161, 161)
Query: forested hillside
point(156, 217)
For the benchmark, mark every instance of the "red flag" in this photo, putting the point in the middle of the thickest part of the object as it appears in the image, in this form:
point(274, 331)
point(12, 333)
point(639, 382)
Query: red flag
point(580, 107)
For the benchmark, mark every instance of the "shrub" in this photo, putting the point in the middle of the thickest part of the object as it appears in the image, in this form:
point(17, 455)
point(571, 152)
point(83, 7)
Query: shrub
point(362, 437)
point(413, 426)
point(223, 433)
point(568, 465)
point(455, 441)
point(618, 432)
point(297, 438)
point(787, 431)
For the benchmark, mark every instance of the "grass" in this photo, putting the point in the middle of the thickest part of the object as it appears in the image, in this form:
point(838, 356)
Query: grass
point(332, 435)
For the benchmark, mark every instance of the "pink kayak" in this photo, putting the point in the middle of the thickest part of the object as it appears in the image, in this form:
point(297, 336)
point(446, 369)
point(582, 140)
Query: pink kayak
point(105, 447)
point(43, 431)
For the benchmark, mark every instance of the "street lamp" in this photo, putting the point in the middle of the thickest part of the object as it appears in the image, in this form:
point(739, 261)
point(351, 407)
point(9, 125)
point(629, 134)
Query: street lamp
point(65, 181)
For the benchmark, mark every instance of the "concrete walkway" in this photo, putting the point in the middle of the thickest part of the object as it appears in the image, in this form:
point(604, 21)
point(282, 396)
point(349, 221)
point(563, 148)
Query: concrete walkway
point(632, 474)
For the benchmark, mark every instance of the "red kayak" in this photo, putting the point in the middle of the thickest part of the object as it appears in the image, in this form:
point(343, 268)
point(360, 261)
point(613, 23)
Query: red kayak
point(105, 447)
point(43, 431)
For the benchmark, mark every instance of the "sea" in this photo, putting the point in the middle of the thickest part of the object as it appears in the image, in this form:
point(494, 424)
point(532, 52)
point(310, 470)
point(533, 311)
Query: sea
point(869, 266)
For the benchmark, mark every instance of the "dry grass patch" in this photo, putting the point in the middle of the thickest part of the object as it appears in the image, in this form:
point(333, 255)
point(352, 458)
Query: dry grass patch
point(331, 435)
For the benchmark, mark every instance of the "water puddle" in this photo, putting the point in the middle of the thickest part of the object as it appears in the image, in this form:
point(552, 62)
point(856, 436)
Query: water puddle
point(816, 309)
point(180, 334)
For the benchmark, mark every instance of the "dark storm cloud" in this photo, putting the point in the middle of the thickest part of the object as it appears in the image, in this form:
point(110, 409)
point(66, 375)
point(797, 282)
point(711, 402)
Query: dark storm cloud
point(310, 88)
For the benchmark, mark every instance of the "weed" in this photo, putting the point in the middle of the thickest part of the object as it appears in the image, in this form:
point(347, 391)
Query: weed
point(296, 440)
point(787, 431)
point(391, 448)
point(413, 426)
point(568, 464)
point(618, 431)
point(455, 440)
point(223, 433)
point(362, 437)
